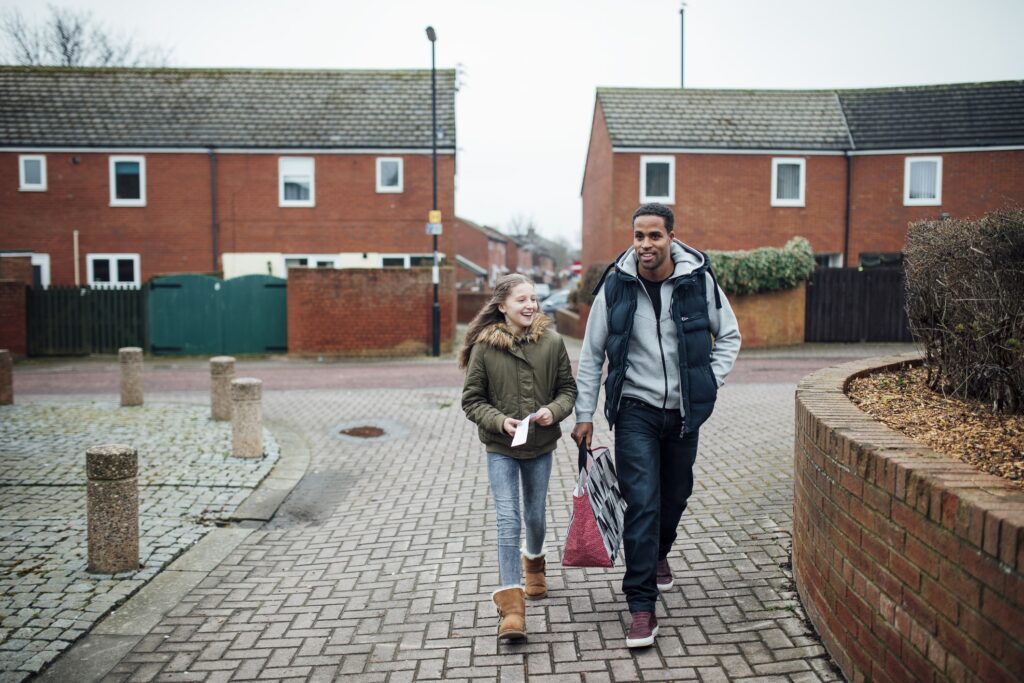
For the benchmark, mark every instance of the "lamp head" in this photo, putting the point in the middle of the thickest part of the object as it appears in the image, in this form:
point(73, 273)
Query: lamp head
point(431, 34)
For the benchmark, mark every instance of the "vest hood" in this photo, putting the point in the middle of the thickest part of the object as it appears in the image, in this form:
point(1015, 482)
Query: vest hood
point(686, 259)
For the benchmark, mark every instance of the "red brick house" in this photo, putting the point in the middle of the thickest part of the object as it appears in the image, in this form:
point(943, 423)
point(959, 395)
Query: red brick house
point(480, 254)
point(112, 176)
point(847, 169)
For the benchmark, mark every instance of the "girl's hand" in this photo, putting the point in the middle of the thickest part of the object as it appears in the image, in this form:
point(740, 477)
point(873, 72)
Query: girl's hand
point(544, 417)
point(510, 425)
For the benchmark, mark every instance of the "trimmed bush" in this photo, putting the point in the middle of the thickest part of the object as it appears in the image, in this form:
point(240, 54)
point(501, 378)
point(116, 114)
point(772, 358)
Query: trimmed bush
point(766, 269)
point(965, 304)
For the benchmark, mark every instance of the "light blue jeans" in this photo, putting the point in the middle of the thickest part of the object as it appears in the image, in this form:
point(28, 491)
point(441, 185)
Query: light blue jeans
point(505, 473)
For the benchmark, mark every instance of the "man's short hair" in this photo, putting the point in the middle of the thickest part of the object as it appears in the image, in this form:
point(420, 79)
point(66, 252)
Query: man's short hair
point(656, 209)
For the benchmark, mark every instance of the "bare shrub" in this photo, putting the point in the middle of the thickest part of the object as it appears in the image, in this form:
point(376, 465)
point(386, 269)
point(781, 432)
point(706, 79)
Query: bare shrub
point(965, 303)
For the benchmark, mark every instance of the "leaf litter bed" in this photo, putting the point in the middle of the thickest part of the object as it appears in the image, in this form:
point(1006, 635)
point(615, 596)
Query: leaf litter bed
point(967, 430)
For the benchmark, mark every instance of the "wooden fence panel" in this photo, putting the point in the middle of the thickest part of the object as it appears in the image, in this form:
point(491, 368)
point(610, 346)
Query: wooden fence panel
point(77, 321)
point(851, 305)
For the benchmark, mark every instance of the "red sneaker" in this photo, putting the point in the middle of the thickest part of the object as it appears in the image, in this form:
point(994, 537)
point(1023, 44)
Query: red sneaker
point(664, 575)
point(643, 630)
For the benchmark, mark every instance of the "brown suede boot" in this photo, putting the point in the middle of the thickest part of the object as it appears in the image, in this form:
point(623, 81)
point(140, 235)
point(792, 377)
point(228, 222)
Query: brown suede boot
point(511, 606)
point(533, 576)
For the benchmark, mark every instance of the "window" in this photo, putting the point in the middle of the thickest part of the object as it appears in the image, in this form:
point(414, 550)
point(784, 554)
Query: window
point(828, 260)
point(922, 181)
point(788, 178)
point(410, 260)
point(295, 181)
point(658, 179)
point(31, 173)
point(127, 181)
point(311, 261)
point(113, 270)
point(389, 174)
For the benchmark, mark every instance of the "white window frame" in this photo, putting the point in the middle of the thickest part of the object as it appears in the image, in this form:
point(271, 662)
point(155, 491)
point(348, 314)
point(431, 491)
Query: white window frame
point(281, 201)
point(24, 186)
point(313, 259)
point(90, 260)
point(835, 259)
point(114, 200)
point(401, 175)
point(907, 201)
point(671, 160)
point(800, 201)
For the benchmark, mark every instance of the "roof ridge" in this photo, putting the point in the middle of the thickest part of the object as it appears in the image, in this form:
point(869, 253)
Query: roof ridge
point(890, 88)
point(201, 70)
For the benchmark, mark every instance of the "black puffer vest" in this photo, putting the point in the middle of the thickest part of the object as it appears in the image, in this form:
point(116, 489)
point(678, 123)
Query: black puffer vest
point(690, 315)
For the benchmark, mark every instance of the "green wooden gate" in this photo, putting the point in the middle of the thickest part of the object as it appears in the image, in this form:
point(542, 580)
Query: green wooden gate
point(201, 315)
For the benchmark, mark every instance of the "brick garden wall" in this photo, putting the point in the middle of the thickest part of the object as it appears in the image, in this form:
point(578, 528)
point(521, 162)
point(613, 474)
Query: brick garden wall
point(771, 318)
point(367, 312)
point(13, 329)
point(909, 563)
point(470, 304)
point(16, 268)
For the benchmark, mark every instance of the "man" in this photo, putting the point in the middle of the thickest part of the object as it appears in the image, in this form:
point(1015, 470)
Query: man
point(670, 338)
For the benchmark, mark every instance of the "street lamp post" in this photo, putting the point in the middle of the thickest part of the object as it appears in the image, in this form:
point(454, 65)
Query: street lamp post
point(435, 274)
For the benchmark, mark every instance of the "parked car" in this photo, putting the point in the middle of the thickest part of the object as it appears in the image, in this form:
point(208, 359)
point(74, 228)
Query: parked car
point(543, 290)
point(558, 299)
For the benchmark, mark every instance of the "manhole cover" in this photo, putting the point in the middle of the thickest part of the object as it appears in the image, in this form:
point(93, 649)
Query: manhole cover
point(364, 432)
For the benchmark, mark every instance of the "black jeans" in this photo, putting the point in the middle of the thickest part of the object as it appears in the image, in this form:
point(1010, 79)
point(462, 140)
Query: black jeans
point(655, 469)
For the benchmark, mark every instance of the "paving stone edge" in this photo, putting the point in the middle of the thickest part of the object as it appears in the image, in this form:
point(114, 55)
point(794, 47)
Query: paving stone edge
point(97, 652)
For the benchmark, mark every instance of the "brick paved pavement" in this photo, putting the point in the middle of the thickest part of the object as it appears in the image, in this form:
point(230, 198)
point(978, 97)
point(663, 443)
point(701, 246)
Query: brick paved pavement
point(47, 598)
point(380, 564)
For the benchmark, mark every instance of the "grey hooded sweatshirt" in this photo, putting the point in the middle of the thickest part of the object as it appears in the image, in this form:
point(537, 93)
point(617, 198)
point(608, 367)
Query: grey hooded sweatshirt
point(653, 372)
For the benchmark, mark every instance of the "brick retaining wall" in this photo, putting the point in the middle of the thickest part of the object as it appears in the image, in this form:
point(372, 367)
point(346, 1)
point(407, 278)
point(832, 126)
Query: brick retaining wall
point(470, 304)
point(771, 318)
point(908, 562)
point(367, 312)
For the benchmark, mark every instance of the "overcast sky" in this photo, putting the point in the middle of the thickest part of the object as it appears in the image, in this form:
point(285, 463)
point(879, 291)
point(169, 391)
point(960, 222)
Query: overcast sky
point(530, 67)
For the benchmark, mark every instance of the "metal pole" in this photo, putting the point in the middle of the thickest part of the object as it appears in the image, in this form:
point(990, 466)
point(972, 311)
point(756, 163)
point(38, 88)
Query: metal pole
point(436, 326)
point(682, 45)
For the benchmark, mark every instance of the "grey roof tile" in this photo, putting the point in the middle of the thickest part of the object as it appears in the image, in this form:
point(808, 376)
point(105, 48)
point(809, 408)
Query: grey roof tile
point(955, 115)
point(45, 106)
point(728, 119)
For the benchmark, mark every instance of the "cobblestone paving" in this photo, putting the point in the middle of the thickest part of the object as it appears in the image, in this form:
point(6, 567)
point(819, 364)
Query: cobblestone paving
point(187, 482)
point(379, 566)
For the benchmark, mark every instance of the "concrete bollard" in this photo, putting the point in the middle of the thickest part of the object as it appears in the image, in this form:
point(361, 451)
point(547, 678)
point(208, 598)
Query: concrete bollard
point(6, 378)
point(112, 508)
point(222, 372)
point(130, 358)
point(246, 418)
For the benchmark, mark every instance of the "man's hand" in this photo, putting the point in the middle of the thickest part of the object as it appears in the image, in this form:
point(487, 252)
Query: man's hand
point(544, 417)
point(583, 431)
point(509, 425)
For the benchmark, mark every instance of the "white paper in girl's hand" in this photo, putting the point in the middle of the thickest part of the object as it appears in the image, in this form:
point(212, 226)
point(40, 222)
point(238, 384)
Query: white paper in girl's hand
point(522, 429)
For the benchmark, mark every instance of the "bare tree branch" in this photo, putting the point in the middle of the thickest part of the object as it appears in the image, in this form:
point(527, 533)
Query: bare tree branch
point(71, 38)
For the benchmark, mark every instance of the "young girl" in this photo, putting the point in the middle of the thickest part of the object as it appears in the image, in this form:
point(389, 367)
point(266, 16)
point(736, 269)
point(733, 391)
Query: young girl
point(517, 368)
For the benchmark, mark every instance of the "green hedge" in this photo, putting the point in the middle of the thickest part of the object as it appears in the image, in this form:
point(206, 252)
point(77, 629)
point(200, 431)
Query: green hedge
point(766, 269)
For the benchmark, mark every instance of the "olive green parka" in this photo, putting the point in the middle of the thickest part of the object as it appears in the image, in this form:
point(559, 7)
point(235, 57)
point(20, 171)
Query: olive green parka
point(510, 376)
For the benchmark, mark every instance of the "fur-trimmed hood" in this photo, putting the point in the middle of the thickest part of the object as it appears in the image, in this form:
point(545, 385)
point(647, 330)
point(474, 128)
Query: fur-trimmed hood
point(500, 336)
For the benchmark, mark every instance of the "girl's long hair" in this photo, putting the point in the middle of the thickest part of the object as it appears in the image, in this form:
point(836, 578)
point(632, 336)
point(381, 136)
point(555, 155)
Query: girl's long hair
point(490, 314)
